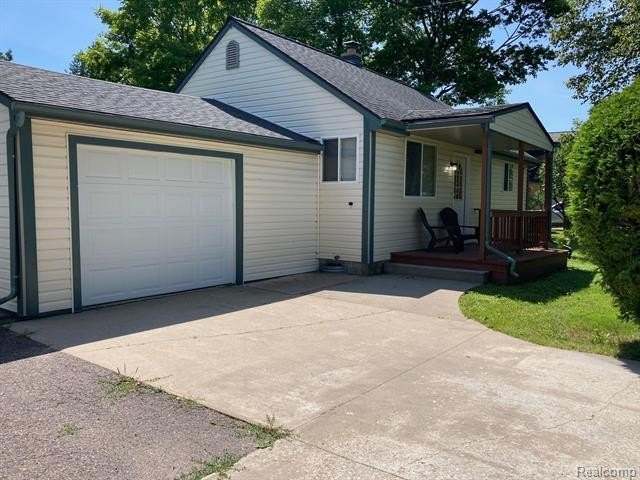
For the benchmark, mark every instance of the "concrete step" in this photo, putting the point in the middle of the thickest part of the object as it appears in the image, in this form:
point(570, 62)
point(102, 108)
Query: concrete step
point(445, 273)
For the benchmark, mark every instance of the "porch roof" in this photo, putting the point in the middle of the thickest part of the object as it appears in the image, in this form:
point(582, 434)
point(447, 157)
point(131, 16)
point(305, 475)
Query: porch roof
point(509, 124)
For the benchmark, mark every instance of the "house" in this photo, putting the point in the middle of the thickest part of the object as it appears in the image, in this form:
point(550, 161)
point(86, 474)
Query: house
point(270, 158)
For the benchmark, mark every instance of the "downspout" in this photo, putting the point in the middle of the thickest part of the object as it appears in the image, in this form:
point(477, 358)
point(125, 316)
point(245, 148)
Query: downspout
point(16, 120)
point(318, 180)
point(487, 217)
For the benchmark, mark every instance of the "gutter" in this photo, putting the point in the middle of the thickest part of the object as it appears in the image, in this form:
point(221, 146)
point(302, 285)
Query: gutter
point(487, 217)
point(16, 121)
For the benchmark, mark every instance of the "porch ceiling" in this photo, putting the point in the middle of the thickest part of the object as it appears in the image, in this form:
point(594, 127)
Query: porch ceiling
point(509, 124)
point(469, 136)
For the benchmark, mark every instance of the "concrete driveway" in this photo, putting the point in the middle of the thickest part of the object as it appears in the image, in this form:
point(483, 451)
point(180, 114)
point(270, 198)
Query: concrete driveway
point(378, 377)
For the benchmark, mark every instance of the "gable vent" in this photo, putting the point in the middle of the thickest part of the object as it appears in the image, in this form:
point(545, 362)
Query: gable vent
point(233, 55)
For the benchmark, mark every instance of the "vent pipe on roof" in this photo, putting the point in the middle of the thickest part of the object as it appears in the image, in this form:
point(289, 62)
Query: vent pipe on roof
point(351, 54)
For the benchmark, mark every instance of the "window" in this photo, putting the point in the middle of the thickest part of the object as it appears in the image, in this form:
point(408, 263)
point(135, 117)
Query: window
point(339, 159)
point(420, 170)
point(508, 177)
point(233, 55)
point(458, 182)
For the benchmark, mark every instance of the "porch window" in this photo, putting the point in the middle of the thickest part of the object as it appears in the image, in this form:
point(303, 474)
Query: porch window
point(420, 170)
point(508, 177)
point(339, 159)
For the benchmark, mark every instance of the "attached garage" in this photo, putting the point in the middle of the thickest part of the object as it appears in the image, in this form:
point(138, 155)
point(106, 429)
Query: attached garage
point(116, 207)
point(152, 222)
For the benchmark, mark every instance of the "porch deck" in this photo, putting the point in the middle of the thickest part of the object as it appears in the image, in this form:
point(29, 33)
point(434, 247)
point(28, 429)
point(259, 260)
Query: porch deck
point(531, 264)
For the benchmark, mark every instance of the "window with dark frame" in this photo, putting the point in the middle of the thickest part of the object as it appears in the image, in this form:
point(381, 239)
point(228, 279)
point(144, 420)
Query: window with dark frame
point(339, 159)
point(508, 177)
point(458, 182)
point(420, 170)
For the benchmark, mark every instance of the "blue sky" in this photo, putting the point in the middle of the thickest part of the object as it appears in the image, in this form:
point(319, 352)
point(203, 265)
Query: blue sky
point(46, 33)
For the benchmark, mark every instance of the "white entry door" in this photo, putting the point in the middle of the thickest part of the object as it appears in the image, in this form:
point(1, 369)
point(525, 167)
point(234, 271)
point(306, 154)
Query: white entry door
point(153, 222)
point(460, 203)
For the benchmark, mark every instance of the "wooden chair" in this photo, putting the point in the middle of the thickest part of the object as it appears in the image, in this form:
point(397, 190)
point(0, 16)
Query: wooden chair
point(433, 239)
point(449, 218)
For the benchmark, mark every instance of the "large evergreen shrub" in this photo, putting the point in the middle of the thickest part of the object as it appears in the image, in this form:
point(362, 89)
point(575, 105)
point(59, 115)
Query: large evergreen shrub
point(604, 188)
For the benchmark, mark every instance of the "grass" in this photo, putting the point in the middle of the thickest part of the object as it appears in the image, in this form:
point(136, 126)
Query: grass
point(265, 435)
point(123, 384)
point(68, 430)
point(216, 465)
point(567, 310)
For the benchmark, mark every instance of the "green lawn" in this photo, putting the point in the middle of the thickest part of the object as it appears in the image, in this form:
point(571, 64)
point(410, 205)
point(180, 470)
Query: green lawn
point(565, 310)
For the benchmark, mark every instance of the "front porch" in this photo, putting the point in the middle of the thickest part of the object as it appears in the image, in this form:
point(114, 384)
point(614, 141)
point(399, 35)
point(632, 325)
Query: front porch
point(513, 244)
point(529, 264)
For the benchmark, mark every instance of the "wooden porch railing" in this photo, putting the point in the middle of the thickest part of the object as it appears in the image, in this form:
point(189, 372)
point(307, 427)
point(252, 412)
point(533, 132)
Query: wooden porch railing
point(514, 230)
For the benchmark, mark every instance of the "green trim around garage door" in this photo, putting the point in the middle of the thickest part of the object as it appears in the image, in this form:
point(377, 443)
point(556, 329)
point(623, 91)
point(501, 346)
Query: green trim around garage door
point(28, 304)
point(75, 140)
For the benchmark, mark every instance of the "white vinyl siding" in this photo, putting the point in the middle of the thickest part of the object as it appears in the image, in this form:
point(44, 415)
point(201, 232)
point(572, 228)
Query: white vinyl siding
point(5, 269)
point(500, 199)
point(270, 88)
point(397, 226)
point(520, 124)
point(280, 206)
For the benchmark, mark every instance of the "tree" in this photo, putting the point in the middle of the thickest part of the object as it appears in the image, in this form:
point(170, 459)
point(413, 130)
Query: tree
point(448, 48)
point(460, 52)
point(604, 188)
point(559, 192)
point(152, 43)
point(452, 48)
point(603, 39)
point(8, 55)
point(324, 24)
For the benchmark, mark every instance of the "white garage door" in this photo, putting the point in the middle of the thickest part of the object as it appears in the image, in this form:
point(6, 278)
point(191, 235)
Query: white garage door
point(153, 222)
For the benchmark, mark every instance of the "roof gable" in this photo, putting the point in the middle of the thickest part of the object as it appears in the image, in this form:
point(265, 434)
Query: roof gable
point(363, 89)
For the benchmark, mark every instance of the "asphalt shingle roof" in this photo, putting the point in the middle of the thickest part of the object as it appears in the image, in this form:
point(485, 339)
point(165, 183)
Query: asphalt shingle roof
point(382, 96)
point(43, 87)
point(415, 115)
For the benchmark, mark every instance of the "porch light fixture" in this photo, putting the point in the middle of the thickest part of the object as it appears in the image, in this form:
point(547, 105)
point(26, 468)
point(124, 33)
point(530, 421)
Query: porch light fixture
point(453, 166)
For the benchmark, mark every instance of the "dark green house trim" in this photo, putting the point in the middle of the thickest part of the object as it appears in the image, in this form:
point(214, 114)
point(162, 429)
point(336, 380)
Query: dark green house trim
point(5, 100)
point(28, 304)
point(75, 140)
point(156, 126)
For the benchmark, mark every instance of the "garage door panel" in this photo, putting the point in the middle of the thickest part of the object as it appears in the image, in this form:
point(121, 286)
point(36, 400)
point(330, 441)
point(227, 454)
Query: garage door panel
point(180, 237)
point(211, 265)
point(179, 205)
point(180, 170)
point(147, 241)
point(211, 172)
point(102, 204)
point(180, 275)
point(101, 165)
point(101, 243)
point(153, 223)
point(145, 203)
point(144, 168)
